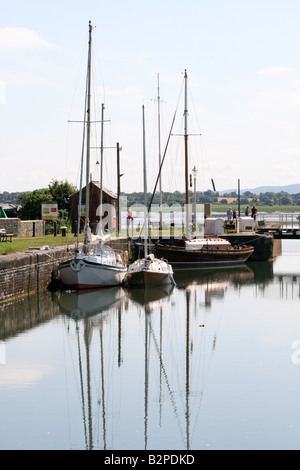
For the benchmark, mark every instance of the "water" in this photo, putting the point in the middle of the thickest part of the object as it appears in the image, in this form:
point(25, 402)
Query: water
point(212, 364)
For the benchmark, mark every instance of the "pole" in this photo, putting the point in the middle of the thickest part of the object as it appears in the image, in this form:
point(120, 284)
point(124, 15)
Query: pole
point(101, 167)
point(239, 198)
point(87, 189)
point(118, 187)
point(195, 206)
point(186, 155)
point(145, 185)
point(159, 155)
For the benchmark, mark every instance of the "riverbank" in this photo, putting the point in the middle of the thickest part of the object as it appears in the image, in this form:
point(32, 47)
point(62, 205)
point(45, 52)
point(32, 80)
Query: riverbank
point(22, 274)
point(22, 244)
point(25, 273)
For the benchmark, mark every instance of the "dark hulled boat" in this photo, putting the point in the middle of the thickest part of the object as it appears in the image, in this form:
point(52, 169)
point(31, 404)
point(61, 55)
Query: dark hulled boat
point(202, 252)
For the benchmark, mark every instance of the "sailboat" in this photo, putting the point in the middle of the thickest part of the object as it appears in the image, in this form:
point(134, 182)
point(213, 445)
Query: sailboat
point(95, 264)
point(148, 271)
point(197, 252)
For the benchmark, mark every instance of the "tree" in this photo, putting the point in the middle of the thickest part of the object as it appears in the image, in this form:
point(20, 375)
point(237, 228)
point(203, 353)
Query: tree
point(249, 195)
point(58, 192)
point(61, 192)
point(286, 200)
point(32, 203)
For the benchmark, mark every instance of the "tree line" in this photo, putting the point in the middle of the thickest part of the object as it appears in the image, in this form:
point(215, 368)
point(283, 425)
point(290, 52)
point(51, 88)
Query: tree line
point(29, 203)
point(60, 192)
point(267, 199)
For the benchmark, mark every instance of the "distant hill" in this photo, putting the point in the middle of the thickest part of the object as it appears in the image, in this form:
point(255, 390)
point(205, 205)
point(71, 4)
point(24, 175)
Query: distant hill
point(290, 188)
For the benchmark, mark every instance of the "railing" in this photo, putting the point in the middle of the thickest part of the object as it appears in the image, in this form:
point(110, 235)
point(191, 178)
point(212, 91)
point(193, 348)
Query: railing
point(284, 221)
point(289, 221)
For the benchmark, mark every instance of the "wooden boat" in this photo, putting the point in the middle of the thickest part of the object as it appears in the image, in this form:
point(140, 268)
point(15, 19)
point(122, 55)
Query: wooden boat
point(200, 251)
point(203, 252)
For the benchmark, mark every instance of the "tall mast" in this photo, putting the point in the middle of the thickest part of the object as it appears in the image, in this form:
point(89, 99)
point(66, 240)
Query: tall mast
point(101, 163)
point(159, 154)
point(186, 153)
point(145, 184)
point(87, 189)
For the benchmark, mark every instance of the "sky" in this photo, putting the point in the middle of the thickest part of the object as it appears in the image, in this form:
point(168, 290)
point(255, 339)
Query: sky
point(243, 64)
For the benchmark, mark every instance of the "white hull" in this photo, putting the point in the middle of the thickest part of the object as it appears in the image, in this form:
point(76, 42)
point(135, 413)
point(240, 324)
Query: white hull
point(149, 272)
point(82, 273)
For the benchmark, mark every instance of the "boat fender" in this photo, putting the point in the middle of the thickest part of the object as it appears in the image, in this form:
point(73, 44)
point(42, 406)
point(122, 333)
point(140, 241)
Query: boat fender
point(126, 256)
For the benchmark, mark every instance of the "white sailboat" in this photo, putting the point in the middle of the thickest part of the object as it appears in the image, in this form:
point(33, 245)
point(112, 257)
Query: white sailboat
point(95, 264)
point(148, 271)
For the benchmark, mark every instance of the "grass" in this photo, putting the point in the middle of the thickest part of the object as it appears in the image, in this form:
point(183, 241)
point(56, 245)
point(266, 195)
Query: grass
point(21, 244)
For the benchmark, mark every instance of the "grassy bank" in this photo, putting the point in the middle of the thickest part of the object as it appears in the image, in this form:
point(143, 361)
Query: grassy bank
point(20, 244)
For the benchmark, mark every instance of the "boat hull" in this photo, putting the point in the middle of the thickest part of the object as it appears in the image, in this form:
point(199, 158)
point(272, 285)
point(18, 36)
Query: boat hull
point(178, 256)
point(147, 279)
point(149, 272)
point(82, 274)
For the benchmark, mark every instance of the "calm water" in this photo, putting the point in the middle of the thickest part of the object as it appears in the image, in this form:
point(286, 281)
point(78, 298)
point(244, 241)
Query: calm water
point(212, 364)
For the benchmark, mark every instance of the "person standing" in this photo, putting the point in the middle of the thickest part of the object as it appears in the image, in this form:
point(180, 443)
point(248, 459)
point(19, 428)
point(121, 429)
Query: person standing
point(247, 211)
point(253, 212)
point(229, 214)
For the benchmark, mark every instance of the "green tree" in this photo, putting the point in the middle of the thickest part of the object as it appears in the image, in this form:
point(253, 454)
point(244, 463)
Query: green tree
point(32, 203)
point(61, 192)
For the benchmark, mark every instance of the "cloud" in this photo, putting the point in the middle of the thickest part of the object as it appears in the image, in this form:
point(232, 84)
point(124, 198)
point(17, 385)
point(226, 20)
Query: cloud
point(21, 38)
point(277, 72)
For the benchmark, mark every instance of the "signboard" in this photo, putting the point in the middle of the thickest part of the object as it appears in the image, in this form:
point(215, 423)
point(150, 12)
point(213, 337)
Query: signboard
point(49, 212)
point(82, 210)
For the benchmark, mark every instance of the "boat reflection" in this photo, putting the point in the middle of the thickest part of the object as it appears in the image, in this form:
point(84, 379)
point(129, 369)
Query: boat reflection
point(80, 304)
point(151, 298)
point(213, 277)
point(214, 282)
point(91, 315)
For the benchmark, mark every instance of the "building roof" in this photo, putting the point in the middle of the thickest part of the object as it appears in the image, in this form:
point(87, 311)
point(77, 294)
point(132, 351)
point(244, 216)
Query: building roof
point(105, 190)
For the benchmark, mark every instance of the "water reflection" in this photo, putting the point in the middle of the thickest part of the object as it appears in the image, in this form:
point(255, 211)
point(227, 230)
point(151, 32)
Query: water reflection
point(214, 282)
point(151, 298)
point(140, 364)
point(84, 303)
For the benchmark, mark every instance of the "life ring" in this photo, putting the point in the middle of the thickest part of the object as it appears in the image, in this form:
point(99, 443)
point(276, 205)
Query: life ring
point(77, 266)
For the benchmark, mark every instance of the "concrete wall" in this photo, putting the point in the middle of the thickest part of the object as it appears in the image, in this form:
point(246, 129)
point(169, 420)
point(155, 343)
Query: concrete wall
point(20, 227)
point(25, 273)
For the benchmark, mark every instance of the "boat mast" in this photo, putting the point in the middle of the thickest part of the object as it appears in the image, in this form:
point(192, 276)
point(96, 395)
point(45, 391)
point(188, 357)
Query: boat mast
point(145, 186)
point(159, 154)
point(87, 189)
point(101, 163)
point(186, 155)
